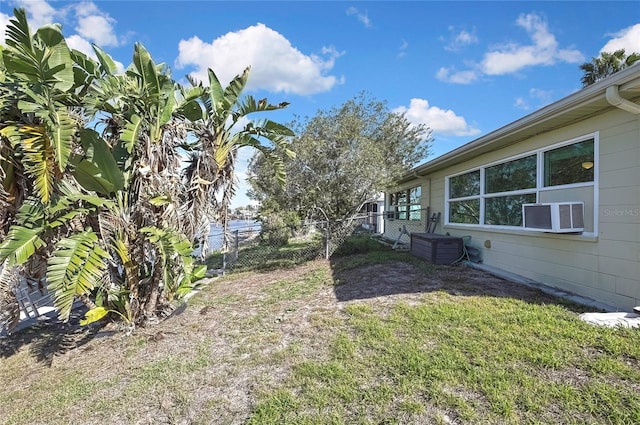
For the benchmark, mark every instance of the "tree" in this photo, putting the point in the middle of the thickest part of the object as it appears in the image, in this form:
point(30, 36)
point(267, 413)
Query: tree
point(108, 215)
point(211, 165)
point(345, 157)
point(40, 137)
point(606, 64)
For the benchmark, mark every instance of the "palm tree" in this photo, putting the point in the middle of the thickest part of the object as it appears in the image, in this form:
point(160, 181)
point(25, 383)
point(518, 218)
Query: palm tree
point(606, 64)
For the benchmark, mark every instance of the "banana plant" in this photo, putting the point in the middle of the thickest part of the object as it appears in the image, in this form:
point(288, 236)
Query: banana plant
point(36, 119)
point(56, 174)
point(9, 307)
point(144, 128)
point(177, 263)
point(76, 261)
point(110, 216)
point(210, 170)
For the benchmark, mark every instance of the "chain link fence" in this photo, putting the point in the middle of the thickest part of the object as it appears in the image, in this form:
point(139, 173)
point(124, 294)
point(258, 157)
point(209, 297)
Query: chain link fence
point(249, 245)
point(245, 246)
point(252, 246)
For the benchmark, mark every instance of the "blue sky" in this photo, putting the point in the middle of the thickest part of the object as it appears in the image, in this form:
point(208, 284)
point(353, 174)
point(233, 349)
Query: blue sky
point(462, 68)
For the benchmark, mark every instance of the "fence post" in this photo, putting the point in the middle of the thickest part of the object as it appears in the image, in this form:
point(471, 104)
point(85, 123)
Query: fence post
point(224, 260)
point(237, 244)
point(326, 244)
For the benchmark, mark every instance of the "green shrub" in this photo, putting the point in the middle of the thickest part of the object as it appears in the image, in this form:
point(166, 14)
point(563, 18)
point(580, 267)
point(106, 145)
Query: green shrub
point(275, 230)
point(359, 244)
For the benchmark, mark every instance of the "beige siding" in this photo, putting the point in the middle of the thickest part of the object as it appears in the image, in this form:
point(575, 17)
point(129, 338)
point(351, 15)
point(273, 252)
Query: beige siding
point(613, 196)
point(605, 265)
point(619, 232)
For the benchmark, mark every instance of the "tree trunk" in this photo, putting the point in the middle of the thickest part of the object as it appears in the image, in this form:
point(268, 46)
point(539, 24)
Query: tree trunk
point(154, 290)
point(87, 302)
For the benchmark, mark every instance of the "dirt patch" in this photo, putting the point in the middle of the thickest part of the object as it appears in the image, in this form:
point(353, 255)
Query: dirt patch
point(405, 281)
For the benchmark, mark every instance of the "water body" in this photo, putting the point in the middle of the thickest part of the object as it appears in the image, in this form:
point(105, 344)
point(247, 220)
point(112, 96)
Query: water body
point(216, 232)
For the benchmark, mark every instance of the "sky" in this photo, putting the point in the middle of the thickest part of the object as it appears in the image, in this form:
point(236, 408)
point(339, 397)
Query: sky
point(462, 68)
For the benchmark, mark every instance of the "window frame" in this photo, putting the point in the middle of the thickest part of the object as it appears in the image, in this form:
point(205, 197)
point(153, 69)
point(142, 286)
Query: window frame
point(407, 207)
point(538, 189)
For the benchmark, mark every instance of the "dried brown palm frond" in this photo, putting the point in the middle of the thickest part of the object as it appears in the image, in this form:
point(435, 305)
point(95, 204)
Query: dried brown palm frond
point(9, 307)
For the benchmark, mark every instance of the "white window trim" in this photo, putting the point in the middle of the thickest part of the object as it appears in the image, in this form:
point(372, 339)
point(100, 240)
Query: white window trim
point(539, 187)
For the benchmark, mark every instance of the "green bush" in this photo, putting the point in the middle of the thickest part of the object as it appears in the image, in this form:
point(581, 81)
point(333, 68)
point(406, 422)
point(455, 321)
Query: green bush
point(276, 236)
point(359, 244)
point(275, 231)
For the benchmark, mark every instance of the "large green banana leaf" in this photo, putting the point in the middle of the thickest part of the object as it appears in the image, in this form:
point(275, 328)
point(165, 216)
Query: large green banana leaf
point(20, 244)
point(90, 177)
point(75, 268)
point(62, 129)
point(48, 61)
point(100, 156)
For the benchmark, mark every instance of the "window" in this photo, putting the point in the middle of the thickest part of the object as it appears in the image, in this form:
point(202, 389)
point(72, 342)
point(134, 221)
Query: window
point(512, 180)
point(569, 164)
point(415, 203)
point(506, 210)
point(406, 204)
point(513, 175)
point(493, 195)
point(467, 212)
point(465, 185)
point(464, 195)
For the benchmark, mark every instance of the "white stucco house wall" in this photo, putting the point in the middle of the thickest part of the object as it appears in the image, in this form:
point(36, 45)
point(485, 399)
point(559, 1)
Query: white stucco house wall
point(585, 149)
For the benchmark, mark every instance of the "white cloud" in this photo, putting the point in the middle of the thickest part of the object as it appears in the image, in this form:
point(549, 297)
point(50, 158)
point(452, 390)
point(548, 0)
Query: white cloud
point(402, 50)
point(459, 39)
point(544, 96)
point(4, 21)
point(451, 75)
point(98, 29)
point(81, 44)
point(520, 103)
point(440, 121)
point(361, 16)
point(541, 98)
point(544, 50)
point(87, 8)
point(95, 25)
point(39, 12)
point(465, 37)
point(276, 65)
point(627, 39)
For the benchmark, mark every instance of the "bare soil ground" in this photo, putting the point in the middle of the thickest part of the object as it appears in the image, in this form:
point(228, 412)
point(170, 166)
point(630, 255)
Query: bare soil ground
point(208, 363)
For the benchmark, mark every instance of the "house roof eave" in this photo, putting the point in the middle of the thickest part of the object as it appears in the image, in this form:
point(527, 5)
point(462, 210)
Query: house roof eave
point(578, 106)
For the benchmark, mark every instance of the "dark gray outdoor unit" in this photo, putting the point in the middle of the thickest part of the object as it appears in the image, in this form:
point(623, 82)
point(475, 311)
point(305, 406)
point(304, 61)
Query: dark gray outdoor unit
point(436, 249)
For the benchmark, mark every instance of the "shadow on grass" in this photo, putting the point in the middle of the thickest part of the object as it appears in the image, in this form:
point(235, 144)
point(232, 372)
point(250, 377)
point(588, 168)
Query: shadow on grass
point(364, 268)
point(49, 338)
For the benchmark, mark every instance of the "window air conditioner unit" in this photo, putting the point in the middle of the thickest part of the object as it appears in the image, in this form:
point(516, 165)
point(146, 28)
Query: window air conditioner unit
point(554, 217)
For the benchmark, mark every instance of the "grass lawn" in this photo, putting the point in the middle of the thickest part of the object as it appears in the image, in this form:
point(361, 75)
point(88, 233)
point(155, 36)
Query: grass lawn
point(376, 338)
